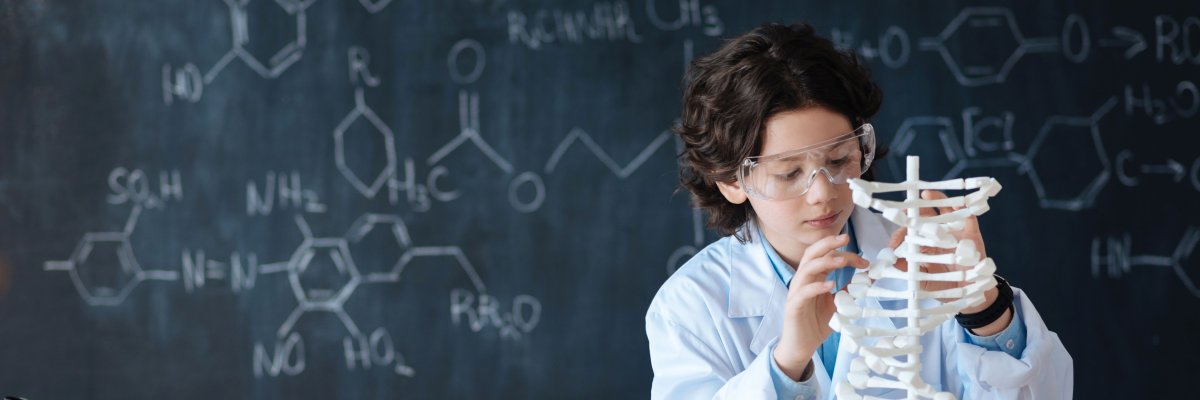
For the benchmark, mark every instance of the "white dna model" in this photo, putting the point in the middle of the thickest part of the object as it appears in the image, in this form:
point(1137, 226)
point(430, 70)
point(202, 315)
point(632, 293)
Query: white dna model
point(888, 356)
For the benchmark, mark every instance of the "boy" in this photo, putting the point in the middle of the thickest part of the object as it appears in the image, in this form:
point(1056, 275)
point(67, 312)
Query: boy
point(774, 123)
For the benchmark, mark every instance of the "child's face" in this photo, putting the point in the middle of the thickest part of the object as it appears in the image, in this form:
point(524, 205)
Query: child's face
point(792, 225)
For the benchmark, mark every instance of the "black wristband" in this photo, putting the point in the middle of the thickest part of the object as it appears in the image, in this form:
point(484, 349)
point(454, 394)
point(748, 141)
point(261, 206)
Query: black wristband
point(1004, 302)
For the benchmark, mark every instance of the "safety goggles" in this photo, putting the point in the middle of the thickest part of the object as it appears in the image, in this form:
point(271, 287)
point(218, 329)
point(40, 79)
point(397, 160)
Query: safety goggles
point(790, 174)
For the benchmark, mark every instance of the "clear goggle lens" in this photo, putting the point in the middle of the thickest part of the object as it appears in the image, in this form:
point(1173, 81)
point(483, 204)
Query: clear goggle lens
point(791, 174)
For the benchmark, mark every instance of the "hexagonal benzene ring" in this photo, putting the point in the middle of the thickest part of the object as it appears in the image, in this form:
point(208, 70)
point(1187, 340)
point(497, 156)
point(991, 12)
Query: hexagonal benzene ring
point(366, 231)
point(281, 59)
point(339, 144)
point(993, 21)
point(1090, 145)
point(914, 128)
point(104, 295)
point(339, 255)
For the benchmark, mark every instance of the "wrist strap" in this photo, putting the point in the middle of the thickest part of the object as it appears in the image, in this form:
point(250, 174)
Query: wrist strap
point(1004, 302)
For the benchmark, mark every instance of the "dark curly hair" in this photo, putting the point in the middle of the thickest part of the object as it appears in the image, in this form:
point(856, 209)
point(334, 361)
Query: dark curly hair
point(730, 94)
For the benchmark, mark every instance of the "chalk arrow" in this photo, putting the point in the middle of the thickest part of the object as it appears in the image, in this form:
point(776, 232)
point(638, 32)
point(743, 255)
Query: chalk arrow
point(1126, 37)
point(1171, 167)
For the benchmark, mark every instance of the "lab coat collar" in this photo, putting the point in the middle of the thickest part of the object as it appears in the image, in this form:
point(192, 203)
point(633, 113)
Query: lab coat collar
point(752, 281)
point(754, 289)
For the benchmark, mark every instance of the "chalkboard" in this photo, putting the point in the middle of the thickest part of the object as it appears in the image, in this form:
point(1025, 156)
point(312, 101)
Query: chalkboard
point(301, 199)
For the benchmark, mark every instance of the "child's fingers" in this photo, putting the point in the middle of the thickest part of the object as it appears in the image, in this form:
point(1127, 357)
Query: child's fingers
point(936, 195)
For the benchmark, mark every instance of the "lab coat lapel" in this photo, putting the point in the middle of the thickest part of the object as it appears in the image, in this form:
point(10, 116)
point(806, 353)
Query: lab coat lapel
point(755, 290)
point(752, 282)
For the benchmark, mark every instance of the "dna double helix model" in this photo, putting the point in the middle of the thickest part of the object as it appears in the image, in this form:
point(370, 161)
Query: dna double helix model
point(887, 356)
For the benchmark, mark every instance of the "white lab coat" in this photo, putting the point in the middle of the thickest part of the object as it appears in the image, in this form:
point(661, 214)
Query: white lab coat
point(712, 323)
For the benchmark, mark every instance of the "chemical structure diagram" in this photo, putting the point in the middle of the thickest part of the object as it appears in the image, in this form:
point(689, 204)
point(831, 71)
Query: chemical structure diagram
point(1112, 257)
point(473, 306)
point(111, 254)
point(421, 194)
point(987, 142)
point(187, 82)
point(997, 26)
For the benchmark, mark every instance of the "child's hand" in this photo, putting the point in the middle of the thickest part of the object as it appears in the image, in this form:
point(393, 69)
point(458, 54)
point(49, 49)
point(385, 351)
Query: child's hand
point(969, 232)
point(809, 305)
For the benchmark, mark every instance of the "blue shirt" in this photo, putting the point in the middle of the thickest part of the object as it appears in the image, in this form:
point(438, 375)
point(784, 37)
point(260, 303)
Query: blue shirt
point(1011, 340)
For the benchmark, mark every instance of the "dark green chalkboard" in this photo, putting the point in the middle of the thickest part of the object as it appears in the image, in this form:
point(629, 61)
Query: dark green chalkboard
point(476, 199)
